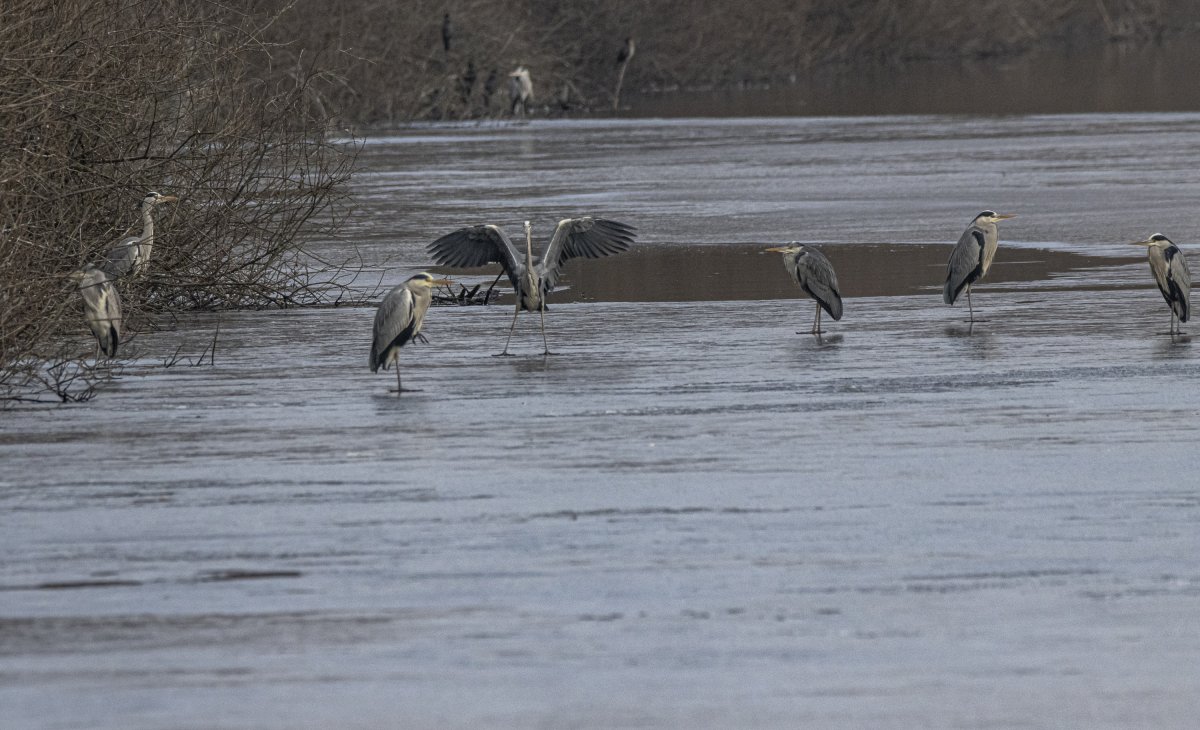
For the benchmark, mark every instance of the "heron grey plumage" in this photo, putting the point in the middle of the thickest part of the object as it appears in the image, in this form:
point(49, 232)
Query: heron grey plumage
point(399, 319)
point(101, 308)
point(520, 90)
point(815, 276)
point(1171, 273)
point(626, 52)
point(972, 256)
point(131, 255)
point(584, 237)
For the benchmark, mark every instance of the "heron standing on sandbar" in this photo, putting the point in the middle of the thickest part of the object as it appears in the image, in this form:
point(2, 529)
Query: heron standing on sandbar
point(1172, 276)
point(584, 237)
point(813, 272)
point(398, 320)
point(972, 256)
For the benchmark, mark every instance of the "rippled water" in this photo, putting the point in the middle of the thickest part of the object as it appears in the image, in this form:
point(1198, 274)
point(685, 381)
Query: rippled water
point(690, 515)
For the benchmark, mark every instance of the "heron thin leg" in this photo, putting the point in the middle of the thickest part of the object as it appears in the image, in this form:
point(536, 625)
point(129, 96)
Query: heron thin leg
point(514, 325)
point(399, 387)
point(816, 328)
point(545, 343)
point(970, 308)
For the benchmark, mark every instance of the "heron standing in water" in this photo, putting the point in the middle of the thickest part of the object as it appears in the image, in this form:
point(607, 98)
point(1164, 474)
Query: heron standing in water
point(813, 272)
point(101, 308)
point(584, 237)
point(131, 255)
point(1171, 273)
point(399, 319)
point(972, 256)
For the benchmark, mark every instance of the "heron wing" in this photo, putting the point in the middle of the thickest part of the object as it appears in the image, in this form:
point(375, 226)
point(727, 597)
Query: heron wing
point(394, 325)
point(479, 246)
point(818, 280)
point(122, 259)
point(966, 263)
point(586, 237)
point(1179, 283)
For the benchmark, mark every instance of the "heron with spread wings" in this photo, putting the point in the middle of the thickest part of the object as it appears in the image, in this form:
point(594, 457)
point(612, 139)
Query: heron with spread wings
point(585, 237)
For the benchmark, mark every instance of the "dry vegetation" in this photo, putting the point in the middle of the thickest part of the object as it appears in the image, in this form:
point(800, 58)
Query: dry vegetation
point(104, 100)
point(393, 67)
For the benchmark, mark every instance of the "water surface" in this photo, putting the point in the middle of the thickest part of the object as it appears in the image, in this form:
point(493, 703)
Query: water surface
point(689, 515)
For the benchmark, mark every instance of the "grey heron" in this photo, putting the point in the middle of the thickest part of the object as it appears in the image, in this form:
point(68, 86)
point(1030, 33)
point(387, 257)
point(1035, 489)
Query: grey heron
point(626, 51)
point(584, 237)
point(520, 90)
point(972, 256)
point(130, 255)
point(1171, 274)
point(813, 272)
point(101, 308)
point(398, 321)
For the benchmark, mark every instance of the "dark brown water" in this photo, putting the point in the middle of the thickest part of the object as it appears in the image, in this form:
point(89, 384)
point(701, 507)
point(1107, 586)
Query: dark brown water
point(688, 517)
point(1116, 78)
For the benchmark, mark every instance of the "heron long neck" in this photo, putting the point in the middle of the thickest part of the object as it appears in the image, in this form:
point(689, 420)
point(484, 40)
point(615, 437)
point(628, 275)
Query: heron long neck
point(529, 252)
point(147, 238)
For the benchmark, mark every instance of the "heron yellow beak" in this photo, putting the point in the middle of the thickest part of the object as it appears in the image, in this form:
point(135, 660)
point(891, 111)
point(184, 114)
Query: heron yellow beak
point(1147, 242)
point(1005, 216)
point(168, 199)
point(777, 249)
point(441, 282)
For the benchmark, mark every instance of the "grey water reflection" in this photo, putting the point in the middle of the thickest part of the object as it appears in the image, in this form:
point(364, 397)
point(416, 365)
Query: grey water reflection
point(1114, 78)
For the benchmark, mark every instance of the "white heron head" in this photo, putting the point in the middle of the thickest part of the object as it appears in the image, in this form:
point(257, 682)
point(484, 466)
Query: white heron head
point(1157, 240)
point(991, 216)
point(426, 279)
point(152, 199)
point(89, 275)
point(790, 249)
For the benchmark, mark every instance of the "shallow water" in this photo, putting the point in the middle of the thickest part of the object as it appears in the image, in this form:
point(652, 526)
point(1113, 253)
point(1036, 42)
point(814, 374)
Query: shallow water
point(688, 516)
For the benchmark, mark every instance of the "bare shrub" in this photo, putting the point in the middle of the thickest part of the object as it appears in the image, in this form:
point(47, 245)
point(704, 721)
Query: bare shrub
point(104, 100)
